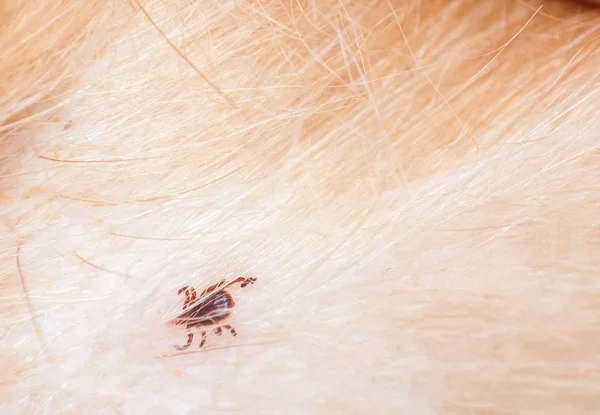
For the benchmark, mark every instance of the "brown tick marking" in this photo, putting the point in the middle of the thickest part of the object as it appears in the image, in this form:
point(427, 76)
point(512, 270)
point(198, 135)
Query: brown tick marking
point(212, 307)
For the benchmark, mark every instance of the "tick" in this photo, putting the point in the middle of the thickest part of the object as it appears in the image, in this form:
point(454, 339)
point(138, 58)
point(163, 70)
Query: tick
point(209, 309)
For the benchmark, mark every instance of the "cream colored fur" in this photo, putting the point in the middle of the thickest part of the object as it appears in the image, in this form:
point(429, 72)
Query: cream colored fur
point(415, 184)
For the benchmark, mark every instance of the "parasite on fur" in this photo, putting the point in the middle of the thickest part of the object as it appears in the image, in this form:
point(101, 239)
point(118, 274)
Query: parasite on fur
point(212, 307)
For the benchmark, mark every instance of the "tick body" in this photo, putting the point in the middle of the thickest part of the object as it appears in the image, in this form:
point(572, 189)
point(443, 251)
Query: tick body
point(209, 309)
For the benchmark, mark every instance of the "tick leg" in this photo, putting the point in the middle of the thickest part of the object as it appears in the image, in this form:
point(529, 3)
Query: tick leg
point(244, 281)
point(203, 339)
point(248, 281)
point(231, 329)
point(185, 289)
point(189, 342)
point(190, 296)
point(218, 331)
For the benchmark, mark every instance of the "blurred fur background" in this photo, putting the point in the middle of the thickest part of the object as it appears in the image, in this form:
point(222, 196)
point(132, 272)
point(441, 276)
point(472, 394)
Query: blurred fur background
point(415, 183)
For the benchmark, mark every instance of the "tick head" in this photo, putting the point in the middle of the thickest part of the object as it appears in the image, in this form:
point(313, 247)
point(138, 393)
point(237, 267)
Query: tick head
point(173, 323)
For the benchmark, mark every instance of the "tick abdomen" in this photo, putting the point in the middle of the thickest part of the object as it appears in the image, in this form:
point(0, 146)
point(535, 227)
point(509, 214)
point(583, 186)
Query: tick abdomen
point(209, 311)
